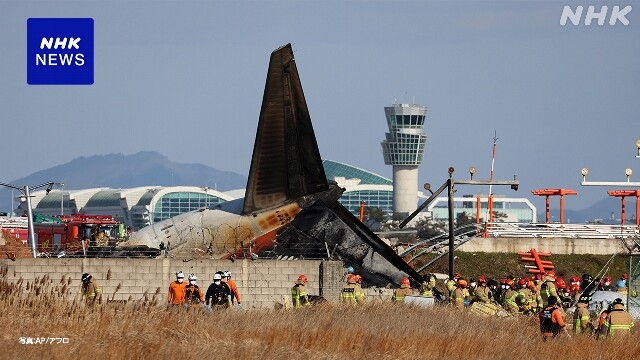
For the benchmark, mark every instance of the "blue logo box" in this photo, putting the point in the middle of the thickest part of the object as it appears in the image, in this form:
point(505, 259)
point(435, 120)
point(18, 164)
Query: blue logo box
point(60, 51)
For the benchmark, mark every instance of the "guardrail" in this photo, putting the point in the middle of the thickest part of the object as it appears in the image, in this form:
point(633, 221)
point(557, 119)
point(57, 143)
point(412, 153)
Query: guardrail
point(577, 231)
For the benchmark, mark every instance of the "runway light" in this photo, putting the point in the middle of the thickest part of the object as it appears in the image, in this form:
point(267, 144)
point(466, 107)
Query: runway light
point(472, 170)
point(628, 172)
point(584, 172)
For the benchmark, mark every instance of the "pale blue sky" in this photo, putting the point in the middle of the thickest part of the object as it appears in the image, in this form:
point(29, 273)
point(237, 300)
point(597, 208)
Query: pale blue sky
point(186, 79)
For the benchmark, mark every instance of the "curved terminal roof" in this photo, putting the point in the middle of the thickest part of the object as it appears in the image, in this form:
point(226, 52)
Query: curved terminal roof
point(334, 169)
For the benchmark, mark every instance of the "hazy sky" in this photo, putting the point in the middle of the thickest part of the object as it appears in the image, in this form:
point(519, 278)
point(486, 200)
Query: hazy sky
point(186, 79)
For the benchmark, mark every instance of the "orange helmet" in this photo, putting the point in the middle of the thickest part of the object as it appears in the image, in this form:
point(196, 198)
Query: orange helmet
point(358, 278)
point(510, 282)
point(405, 280)
point(462, 283)
point(560, 283)
point(457, 275)
point(302, 278)
point(482, 279)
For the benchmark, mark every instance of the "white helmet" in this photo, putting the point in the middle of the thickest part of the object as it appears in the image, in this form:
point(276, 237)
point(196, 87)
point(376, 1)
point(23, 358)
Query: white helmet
point(180, 275)
point(193, 277)
point(227, 273)
point(217, 276)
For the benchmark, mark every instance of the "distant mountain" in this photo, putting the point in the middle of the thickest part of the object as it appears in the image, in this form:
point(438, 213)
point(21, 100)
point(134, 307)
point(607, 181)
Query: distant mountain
point(601, 211)
point(146, 168)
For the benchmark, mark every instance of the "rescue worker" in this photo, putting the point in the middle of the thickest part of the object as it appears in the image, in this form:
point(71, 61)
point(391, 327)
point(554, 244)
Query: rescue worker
point(535, 300)
point(402, 291)
point(551, 322)
point(450, 284)
point(562, 293)
point(428, 285)
point(460, 294)
point(193, 294)
point(91, 290)
point(587, 285)
point(607, 285)
point(622, 284)
point(524, 297)
point(581, 322)
point(599, 329)
point(348, 293)
point(218, 295)
point(482, 292)
point(494, 290)
point(360, 297)
point(176, 294)
point(548, 288)
point(299, 294)
point(233, 288)
point(618, 322)
point(509, 297)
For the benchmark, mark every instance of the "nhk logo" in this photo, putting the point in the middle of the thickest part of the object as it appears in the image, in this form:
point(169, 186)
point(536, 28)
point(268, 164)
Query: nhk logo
point(59, 51)
point(617, 15)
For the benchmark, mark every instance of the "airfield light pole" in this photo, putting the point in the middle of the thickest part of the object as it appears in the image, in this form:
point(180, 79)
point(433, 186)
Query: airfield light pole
point(627, 183)
point(449, 184)
point(25, 192)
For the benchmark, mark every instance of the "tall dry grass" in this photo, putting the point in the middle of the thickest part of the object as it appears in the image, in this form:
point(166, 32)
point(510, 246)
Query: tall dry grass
point(141, 330)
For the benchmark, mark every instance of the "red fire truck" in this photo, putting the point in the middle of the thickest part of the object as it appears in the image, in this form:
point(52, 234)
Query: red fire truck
point(77, 232)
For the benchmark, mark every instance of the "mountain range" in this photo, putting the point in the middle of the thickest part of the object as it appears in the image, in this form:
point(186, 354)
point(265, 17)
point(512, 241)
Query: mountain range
point(148, 168)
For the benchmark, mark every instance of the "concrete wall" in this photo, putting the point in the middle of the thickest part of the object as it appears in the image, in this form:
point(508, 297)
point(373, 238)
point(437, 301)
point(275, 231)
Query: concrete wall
point(262, 283)
point(552, 245)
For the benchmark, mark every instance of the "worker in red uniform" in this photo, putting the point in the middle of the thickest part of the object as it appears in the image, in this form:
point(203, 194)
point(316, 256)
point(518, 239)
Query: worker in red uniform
point(233, 288)
point(551, 321)
point(177, 290)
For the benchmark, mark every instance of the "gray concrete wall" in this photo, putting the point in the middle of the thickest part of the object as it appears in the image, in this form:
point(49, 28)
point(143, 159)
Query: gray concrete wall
point(262, 283)
point(552, 245)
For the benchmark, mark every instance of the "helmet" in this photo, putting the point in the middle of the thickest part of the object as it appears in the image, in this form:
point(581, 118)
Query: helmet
point(608, 279)
point(457, 276)
point(584, 298)
point(302, 278)
point(227, 273)
point(522, 282)
point(350, 270)
point(620, 283)
point(538, 276)
point(405, 280)
point(217, 276)
point(193, 277)
point(586, 277)
point(482, 279)
point(86, 277)
point(551, 273)
point(560, 283)
point(358, 278)
point(617, 301)
point(625, 276)
point(510, 282)
point(462, 283)
point(180, 275)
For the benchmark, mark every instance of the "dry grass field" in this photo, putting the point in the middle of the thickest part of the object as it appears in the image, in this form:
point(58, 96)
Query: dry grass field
point(142, 330)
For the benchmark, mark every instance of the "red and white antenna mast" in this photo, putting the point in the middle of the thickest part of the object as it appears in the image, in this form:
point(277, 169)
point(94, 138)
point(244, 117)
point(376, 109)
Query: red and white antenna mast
point(493, 160)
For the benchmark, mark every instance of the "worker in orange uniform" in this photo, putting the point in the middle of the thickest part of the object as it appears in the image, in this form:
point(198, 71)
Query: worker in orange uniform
point(177, 290)
point(299, 293)
point(618, 322)
point(551, 322)
point(194, 298)
point(91, 290)
point(402, 291)
point(233, 288)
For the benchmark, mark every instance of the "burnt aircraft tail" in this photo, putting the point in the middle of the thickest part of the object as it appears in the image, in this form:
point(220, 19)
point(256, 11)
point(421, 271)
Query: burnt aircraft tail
point(286, 162)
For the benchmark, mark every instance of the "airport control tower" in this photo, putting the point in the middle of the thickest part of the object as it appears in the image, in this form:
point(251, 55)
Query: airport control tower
point(404, 148)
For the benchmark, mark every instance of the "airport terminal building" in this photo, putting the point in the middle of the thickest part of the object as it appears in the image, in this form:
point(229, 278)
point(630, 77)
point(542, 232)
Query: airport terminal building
point(142, 206)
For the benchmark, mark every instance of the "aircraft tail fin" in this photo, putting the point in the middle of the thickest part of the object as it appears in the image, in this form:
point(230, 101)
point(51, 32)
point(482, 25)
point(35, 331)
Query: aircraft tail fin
point(286, 161)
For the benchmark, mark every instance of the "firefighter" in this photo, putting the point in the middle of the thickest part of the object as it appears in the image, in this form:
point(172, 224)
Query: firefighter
point(299, 294)
point(91, 290)
point(524, 297)
point(460, 294)
point(450, 284)
point(428, 285)
point(177, 290)
point(402, 291)
point(233, 288)
point(618, 322)
point(509, 297)
point(607, 285)
point(193, 294)
point(548, 288)
point(551, 322)
point(581, 322)
point(218, 295)
point(482, 293)
point(348, 293)
point(360, 297)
